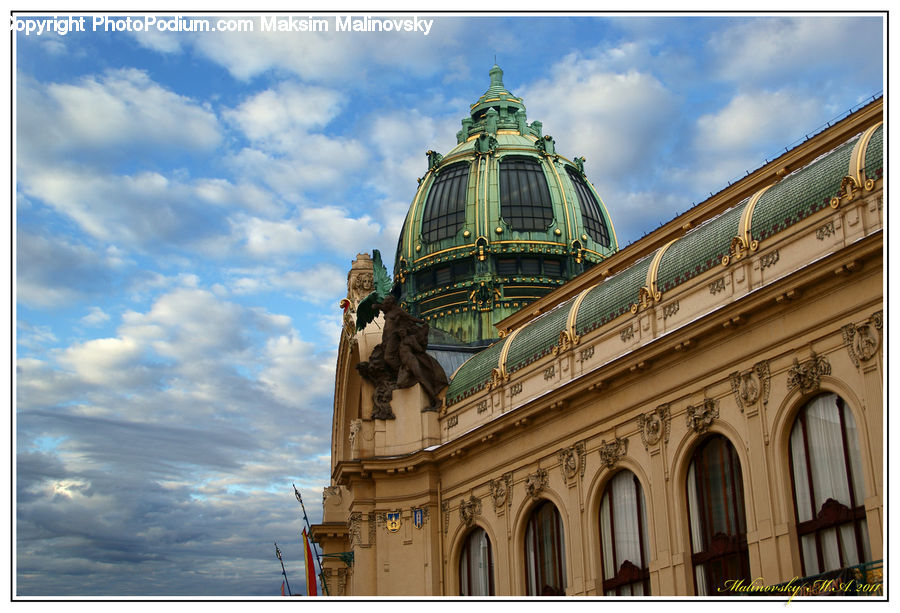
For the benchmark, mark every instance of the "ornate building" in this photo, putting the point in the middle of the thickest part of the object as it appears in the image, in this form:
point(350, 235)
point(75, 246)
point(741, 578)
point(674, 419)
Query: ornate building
point(702, 407)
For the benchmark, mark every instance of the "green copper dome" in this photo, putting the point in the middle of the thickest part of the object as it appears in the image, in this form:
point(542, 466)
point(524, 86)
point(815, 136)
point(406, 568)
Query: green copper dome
point(497, 222)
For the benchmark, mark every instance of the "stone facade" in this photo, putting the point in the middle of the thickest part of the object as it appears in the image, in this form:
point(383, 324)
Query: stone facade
point(748, 342)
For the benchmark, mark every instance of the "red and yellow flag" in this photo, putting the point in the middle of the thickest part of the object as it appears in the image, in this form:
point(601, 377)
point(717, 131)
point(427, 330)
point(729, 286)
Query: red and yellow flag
point(310, 567)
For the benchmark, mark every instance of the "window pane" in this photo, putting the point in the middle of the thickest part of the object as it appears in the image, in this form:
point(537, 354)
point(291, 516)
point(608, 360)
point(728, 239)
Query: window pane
point(828, 488)
point(445, 206)
point(594, 224)
point(476, 569)
point(545, 552)
point(524, 195)
point(623, 533)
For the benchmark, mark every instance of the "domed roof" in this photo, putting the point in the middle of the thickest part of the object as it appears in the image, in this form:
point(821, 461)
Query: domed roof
point(497, 222)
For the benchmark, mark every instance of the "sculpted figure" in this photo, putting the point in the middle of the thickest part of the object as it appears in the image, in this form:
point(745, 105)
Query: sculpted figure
point(400, 361)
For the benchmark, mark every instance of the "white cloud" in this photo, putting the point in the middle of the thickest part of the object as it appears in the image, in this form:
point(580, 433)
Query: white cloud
point(95, 317)
point(105, 361)
point(775, 48)
point(51, 271)
point(751, 126)
point(279, 118)
point(120, 110)
point(613, 119)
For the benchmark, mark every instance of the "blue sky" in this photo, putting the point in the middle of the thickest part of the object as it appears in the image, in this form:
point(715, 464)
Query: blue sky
point(187, 206)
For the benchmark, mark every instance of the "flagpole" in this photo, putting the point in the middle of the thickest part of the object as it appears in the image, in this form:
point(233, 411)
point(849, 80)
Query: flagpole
point(278, 555)
point(309, 532)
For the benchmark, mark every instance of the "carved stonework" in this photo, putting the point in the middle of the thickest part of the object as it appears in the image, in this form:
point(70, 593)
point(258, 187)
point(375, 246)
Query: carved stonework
point(586, 354)
point(468, 510)
point(825, 231)
point(452, 421)
point(500, 489)
point(717, 286)
point(751, 385)
point(655, 426)
point(445, 511)
point(611, 452)
point(571, 460)
point(863, 340)
point(550, 372)
point(701, 417)
point(515, 389)
point(627, 334)
point(670, 309)
point(333, 494)
point(482, 406)
point(371, 528)
point(353, 529)
point(355, 427)
point(769, 259)
point(535, 483)
point(807, 375)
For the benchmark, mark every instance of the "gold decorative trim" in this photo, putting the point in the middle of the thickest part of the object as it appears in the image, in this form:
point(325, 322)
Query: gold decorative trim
point(412, 213)
point(448, 249)
point(858, 157)
point(565, 200)
point(653, 271)
point(504, 353)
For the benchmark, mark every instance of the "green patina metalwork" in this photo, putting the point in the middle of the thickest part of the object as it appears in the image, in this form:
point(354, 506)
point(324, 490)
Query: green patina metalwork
point(801, 193)
point(875, 155)
point(612, 298)
point(699, 250)
point(474, 374)
point(538, 338)
point(465, 281)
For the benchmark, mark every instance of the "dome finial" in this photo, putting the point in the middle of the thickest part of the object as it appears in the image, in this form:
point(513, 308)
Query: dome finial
point(496, 75)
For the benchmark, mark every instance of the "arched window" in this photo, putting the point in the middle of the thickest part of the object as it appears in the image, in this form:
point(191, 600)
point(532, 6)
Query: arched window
point(715, 491)
point(828, 486)
point(476, 565)
point(594, 224)
point(524, 195)
point(445, 207)
point(545, 552)
point(623, 537)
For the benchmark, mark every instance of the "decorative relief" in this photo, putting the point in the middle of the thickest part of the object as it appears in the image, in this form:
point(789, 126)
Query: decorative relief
point(497, 378)
point(627, 334)
point(332, 491)
point(566, 341)
point(670, 309)
point(825, 231)
point(586, 354)
point(751, 385)
point(655, 425)
point(700, 418)
point(717, 286)
point(452, 421)
point(482, 406)
point(863, 340)
point(808, 374)
point(769, 259)
point(535, 483)
point(353, 529)
point(515, 389)
point(355, 427)
point(612, 451)
point(572, 461)
point(364, 283)
point(371, 528)
point(645, 299)
point(549, 373)
point(500, 489)
point(445, 511)
point(468, 509)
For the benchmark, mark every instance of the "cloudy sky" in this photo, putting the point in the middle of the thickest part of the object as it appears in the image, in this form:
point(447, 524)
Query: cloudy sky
point(188, 204)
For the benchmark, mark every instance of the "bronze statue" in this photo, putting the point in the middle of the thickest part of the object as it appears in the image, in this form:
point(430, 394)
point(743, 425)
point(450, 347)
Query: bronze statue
point(400, 360)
